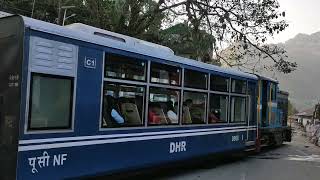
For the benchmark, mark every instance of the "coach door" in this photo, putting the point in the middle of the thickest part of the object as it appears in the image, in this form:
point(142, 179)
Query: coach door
point(11, 42)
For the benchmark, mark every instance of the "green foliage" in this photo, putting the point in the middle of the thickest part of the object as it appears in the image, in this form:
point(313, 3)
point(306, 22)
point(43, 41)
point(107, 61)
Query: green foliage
point(211, 25)
point(185, 42)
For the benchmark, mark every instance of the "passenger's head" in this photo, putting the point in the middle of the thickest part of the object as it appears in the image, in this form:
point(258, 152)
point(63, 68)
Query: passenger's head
point(188, 102)
point(170, 105)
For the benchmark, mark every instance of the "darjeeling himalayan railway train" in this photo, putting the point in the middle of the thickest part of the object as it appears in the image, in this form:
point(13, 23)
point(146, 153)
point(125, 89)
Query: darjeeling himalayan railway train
point(78, 101)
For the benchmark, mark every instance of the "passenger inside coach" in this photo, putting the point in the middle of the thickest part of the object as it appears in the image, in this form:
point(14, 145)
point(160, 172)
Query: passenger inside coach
point(156, 114)
point(111, 113)
point(214, 116)
point(186, 111)
point(172, 116)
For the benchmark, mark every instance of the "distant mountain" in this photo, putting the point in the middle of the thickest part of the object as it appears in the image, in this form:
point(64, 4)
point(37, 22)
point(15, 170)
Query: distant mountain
point(304, 83)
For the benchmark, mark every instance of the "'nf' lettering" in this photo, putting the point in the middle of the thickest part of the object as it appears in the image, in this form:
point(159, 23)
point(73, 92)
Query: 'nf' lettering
point(178, 146)
point(59, 159)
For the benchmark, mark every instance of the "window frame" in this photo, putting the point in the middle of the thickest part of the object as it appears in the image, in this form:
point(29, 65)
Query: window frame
point(273, 94)
point(182, 88)
point(228, 83)
point(234, 92)
point(178, 110)
point(71, 106)
point(227, 108)
point(171, 85)
point(143, 119)
point(205, 122)
point(108, 54)
point(232, 112)
point(197, 71)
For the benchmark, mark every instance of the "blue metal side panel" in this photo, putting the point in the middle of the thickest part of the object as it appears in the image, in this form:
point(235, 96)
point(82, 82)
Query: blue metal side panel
point(268, 107)
point(88, 98)
point(278, 117)
point(111, 157)
point(252, 135)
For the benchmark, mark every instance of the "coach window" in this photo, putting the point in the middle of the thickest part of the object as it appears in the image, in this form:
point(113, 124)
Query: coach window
point(218, 108)
point(121, 67)
point(194, 108)
point(273, 92)
point(122, 105)
point(195, 79)
point(238, 109)
point(165, 74)
point(163, 106)
point(239, 86)
point(218, 83)
point(50, 102)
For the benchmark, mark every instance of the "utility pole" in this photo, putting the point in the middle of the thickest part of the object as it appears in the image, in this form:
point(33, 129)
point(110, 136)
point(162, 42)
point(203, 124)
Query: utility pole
point(34, 2)
point(65, 13)
point(59, 13)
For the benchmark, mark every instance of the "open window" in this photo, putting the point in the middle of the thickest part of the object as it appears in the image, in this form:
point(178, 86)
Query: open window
point(51, 102)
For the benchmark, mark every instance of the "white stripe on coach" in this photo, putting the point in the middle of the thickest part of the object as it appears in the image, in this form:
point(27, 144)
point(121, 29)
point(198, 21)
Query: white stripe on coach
point(38, 141)
point(118, 140)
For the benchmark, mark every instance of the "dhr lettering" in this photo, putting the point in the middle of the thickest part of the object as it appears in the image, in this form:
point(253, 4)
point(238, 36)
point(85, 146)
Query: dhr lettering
point(178, 146)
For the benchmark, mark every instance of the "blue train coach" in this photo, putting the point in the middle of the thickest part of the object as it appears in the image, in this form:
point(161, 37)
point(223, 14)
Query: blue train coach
point(79, 101)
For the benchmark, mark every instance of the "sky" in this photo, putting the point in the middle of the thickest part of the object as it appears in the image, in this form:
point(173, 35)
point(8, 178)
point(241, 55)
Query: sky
point(303, 16)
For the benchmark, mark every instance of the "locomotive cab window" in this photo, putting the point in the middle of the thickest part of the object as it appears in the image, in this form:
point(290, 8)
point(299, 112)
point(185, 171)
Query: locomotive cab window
point(273, 92)
point(121, 67)
point(50, 104)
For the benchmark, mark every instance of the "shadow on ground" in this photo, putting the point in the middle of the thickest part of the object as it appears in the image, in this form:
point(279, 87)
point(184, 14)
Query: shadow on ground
point(190, 166)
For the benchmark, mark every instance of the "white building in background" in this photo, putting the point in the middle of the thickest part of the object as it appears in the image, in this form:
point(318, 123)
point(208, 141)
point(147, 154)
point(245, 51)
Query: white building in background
point(305, 116)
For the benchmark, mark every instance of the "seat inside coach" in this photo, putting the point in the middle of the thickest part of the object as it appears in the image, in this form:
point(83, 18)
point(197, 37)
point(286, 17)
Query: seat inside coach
point(122, 106)
point(127, 108)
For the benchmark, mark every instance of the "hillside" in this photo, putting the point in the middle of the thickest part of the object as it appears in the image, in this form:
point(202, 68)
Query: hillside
point(303, 84)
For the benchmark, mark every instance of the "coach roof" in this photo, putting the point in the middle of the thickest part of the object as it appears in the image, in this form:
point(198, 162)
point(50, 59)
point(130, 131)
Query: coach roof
point(118, 41)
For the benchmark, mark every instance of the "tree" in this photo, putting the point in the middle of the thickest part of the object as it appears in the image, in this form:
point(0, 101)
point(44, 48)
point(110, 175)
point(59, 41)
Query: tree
point(291, 109)
point(238, 24)
point(181, 39)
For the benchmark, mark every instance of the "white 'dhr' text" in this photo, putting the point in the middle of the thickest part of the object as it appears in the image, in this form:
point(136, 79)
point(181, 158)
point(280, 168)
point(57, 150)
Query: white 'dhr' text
point(44, 161)
point(178, 146)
